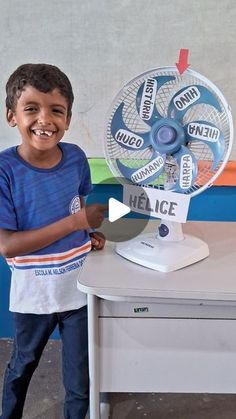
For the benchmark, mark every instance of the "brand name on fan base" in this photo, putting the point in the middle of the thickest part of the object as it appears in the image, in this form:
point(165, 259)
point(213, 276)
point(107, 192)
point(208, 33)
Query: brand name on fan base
point(160, 207)
point(203, 131)
point(132, 141)
point(187, 98)
point(148, 99)
point(149, 170)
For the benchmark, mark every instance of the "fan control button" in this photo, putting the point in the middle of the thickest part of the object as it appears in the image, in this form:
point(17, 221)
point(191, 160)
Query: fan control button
point(163, 230)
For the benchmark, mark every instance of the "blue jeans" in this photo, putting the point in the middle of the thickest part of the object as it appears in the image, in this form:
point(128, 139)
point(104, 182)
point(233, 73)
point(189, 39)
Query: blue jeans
point(32, 332)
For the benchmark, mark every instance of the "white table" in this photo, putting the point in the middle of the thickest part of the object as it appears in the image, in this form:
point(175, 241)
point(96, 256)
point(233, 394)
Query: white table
point(163, 332)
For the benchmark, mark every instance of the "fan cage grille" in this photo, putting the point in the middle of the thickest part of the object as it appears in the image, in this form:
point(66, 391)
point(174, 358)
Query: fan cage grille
point(205, 112)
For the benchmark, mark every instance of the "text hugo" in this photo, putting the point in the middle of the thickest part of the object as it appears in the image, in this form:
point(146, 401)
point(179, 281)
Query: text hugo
point(142, 202)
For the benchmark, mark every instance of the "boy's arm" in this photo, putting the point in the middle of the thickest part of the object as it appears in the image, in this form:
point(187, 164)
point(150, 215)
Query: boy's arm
point(17, 243)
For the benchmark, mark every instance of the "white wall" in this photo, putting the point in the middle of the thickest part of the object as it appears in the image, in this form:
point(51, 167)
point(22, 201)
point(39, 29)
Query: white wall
point(102, 44)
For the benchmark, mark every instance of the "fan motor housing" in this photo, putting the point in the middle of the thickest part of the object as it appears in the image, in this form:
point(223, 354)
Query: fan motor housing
point(167, 136)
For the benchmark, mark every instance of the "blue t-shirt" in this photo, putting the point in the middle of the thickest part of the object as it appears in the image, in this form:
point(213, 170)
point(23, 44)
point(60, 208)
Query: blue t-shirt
point(30, 198)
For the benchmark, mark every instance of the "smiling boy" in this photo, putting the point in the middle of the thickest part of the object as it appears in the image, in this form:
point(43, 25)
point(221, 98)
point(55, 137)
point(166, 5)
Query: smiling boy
point(44, 235)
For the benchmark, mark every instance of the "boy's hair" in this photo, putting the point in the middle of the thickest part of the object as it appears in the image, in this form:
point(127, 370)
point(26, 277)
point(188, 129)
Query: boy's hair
point(43, 77)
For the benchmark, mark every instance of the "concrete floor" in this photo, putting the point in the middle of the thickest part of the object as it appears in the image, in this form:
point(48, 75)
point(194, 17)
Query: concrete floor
point(45, 396)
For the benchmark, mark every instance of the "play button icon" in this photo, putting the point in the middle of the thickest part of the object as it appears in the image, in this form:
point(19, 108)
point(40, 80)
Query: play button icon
point(116, 210)
point(116, 227)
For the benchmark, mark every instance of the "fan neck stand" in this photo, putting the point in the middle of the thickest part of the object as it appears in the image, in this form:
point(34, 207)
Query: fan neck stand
point(165, 251)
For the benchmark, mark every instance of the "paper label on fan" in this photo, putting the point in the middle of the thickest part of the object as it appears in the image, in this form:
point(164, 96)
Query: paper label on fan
point(148, 99)
point(124, 137)
point(203, 132)
point(187, 98)
point(157, 203)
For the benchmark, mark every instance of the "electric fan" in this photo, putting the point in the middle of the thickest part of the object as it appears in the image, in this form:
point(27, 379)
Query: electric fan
point(168, 134)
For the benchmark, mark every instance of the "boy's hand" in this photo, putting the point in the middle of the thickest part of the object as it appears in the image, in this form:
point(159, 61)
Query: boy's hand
point(91, 216)
point(97, 240)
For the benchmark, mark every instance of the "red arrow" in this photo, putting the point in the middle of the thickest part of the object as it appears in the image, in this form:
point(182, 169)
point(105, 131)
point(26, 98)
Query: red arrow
point(182, 65)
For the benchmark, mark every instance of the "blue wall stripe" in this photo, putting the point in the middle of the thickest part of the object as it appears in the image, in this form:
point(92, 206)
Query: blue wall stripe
point(214, 204)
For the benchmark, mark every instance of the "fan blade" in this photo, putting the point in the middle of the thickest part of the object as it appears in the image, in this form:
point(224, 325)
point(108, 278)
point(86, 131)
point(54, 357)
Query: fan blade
point(146, 98)
point(187, 163)
point(189, 96)
point(145, 174)
point(208, 133)
point(124, 136)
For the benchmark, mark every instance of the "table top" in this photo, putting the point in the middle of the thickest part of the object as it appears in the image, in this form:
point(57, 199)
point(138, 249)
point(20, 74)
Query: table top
point(105, 273)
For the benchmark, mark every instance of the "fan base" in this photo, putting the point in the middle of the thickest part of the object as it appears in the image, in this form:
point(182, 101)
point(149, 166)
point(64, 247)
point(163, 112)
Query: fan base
point(149, 251)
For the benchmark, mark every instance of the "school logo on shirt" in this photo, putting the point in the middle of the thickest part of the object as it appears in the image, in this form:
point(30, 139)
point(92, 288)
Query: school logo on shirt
point(75, 204)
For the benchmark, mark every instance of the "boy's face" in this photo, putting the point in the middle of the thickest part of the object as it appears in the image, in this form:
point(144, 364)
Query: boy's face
point(40, 117)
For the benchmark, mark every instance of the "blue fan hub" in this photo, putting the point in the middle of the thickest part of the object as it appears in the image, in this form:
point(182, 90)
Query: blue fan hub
point(167, 136)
